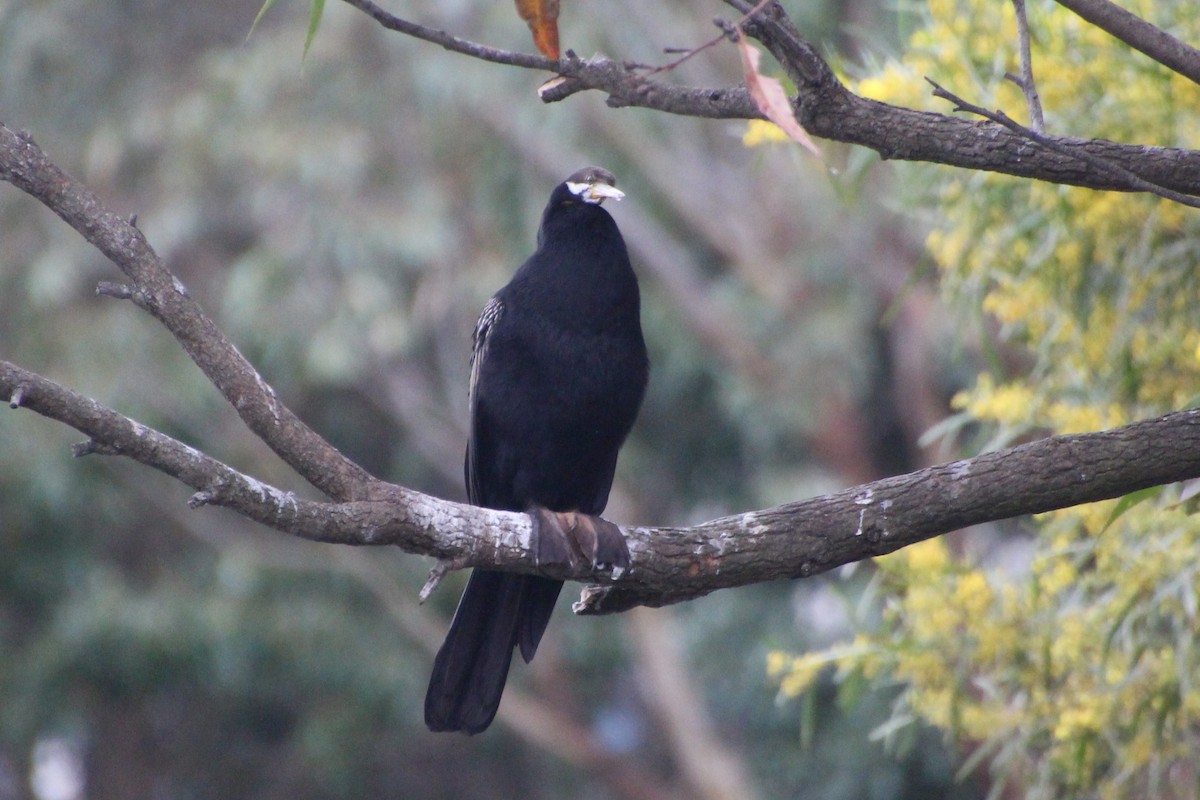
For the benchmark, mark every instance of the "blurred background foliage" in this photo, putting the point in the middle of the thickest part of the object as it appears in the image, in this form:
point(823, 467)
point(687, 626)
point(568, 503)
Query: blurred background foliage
point(344, 217)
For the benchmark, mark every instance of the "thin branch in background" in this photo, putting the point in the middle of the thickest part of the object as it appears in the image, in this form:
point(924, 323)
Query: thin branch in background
point(1134, 180)
point(687, 53)
point(714, 770)
point(1036, 120)
point(1140, 35)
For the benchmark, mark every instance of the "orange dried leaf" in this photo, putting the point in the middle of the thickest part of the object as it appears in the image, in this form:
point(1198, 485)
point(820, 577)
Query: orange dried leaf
point(769, 96)
point(542, 18)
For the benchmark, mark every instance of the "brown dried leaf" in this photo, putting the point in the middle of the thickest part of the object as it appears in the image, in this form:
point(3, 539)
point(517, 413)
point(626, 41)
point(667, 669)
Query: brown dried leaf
point(542, 18)
point(769, 95)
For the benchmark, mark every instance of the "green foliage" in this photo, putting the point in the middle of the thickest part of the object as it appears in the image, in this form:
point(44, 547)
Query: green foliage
point(1074, 675)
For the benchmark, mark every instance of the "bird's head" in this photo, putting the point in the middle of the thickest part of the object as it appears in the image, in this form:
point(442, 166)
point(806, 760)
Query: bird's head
point(594, 185)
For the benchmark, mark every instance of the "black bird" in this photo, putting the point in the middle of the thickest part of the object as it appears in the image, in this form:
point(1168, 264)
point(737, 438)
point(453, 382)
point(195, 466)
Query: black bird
point(558, 371)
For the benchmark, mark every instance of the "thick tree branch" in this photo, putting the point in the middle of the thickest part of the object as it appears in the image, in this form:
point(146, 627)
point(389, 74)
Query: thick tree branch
point(815, 535)
point(1103, 165)
point(627, 87)
point(670, 565)
point(624, 85)
point(414, 522)
point(828, 109)
point(110, 433)
point(1140, 35)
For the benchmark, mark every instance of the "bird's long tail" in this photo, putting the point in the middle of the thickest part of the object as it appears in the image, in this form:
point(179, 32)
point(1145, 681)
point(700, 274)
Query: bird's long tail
point(498, 611)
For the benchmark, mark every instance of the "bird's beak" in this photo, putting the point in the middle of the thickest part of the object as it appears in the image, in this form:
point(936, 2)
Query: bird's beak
point(595, 192)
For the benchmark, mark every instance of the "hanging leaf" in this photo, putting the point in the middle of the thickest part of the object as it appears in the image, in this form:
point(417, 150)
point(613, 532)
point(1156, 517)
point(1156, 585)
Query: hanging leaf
point(1129, 501)
point(314, 21)
point(315, 11)
point(542, 17)
point(266, 6)
point(769, 95)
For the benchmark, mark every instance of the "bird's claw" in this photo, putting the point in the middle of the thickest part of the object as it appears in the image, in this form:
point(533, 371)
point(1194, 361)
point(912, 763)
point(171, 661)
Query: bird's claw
point(569, 538)
point(601, 543)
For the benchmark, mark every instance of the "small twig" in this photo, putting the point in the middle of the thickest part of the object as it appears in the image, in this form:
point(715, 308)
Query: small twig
point(436, 574)
point(1036, 121)
point(1134, 180)
point(591, 600)
point(727, 30)
point(121, 291)
point(200, 499)
point(687, 53)
point(94, 447)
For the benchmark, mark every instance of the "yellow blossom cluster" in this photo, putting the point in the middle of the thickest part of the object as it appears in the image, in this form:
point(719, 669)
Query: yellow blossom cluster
point(1081, 673)
point(760, 131)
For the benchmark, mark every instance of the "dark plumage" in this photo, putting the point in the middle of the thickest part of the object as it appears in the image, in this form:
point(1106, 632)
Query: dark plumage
point(557, 375)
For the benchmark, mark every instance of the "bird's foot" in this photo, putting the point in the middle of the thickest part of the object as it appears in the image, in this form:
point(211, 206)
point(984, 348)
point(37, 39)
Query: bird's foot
point(569, 538)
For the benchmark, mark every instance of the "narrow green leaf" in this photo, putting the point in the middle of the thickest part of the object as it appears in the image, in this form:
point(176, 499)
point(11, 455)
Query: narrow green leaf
point(1117, 622)
point(891, 727)
point(314, 22)
point(808, 721)
point(1129, 501)
point(851, 690)
point(266, 6)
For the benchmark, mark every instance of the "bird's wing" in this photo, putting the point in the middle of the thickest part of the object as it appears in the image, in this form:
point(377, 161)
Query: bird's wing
point(483, 328)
